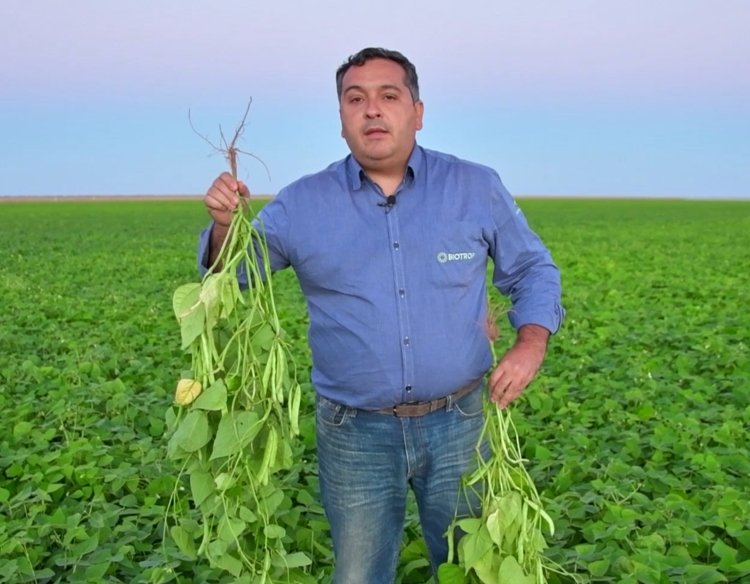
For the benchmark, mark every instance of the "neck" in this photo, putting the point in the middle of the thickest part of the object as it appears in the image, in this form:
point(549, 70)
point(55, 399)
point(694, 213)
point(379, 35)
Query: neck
point(386, 174)
point(387, 179)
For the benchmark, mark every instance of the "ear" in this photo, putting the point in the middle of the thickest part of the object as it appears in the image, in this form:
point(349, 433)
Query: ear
point(419, 106)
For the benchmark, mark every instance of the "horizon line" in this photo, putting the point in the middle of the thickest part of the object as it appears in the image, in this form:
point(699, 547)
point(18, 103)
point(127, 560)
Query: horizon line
point(188, 197)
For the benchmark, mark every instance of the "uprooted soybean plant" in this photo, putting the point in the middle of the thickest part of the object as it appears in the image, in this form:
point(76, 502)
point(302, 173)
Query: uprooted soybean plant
point(235, 414)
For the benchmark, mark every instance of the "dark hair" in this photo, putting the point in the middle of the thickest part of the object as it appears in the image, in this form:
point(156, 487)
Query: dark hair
point(359, 59)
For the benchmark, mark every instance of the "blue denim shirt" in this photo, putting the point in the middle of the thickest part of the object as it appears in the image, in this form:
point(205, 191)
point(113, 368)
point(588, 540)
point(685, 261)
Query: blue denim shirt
point(397, 295)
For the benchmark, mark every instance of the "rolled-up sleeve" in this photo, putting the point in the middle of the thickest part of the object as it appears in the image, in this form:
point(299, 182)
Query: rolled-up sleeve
point(523, 270)
point(271, 223)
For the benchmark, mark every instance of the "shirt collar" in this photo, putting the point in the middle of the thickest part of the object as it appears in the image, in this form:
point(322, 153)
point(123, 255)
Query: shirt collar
point(356, 173)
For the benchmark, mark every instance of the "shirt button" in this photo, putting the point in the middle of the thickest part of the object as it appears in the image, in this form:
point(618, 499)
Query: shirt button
point(395, 245)
point(408, 388)
point(406, 340)
point(401, 291)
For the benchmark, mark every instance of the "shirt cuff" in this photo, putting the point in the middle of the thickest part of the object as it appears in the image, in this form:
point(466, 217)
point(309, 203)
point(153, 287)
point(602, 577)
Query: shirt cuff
point(550, 319)
point(203, 246)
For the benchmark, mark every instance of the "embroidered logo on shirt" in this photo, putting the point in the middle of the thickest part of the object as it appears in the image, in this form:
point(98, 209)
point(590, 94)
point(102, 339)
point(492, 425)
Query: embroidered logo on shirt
point(443, 257)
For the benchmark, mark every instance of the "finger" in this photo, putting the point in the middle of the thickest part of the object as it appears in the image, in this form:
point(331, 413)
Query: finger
point(500, 386)
point(243, 190)
point(217, 204)
point(497, 373)
point(510, 395)
point(515, 389)
point(223, 194)
point(227, 181)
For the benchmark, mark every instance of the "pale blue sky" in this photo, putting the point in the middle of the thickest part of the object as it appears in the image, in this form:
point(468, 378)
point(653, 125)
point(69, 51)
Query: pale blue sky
point(574, 97)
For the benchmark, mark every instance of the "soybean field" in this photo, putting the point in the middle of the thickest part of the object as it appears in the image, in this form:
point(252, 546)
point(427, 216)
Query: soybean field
point(635, 432)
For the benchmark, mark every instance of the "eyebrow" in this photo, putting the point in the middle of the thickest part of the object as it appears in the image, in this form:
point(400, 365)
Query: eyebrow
point(385, 86)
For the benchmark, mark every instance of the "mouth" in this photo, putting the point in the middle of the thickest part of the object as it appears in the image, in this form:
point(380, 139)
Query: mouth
point(375, 132)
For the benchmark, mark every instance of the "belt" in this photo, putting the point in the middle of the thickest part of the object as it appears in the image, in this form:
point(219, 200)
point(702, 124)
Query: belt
point(416, 409)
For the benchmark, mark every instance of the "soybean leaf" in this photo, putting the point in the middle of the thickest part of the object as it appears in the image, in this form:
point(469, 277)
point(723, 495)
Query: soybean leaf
point(236, 430)
point(289, 561)
point(305, 498)
point(217, 548)
point(450, 574)
point(224, 481)
point(727, 555)
point(703, 575)
point(512, 573)
point(210, 292)
point(510, 508)
point(21, 429)
point(473, 546)
point(230, 529)
point(230, 296)
point(487, 568)
point(471, 525)
point(191, 325)
point(170, 418)
point(598, 568)
point(495, 529)
point(247, 515)
point(214, 398)
point(201, 485)
point(183, 540)
point(185, 298)
point(415, 565)
point(299, 577)
point(271, 501)
point(274, 531)
point(229, 563)
point(263, 339)
point(85, 547)
point(741, 569)
point(95, 571)
point(193, 433)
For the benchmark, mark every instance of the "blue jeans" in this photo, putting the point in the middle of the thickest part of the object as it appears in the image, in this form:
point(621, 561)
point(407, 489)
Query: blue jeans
point(367, 461)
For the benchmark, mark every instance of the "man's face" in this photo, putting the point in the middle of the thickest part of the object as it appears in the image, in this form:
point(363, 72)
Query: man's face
point(379, 120)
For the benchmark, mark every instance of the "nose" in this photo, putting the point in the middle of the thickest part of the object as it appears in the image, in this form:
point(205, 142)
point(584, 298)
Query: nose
point(372, 111)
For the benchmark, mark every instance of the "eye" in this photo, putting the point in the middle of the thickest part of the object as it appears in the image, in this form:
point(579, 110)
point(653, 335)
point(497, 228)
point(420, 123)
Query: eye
point(356, 99)
point(390, 96)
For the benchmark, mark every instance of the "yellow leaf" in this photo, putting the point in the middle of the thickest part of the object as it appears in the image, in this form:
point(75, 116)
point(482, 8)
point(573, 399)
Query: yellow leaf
point(187, 391)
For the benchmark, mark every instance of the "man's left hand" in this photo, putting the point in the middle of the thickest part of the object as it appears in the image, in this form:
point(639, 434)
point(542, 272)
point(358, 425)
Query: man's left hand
point(519, 365)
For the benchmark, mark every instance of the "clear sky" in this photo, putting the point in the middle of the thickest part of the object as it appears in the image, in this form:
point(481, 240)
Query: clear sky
point(561, 97)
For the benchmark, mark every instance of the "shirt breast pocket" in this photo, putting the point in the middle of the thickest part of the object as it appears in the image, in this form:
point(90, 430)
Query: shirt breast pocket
point(458, 255)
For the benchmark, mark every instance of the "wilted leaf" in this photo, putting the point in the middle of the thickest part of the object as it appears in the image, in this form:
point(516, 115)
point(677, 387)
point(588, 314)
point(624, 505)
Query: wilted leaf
point(187, 390)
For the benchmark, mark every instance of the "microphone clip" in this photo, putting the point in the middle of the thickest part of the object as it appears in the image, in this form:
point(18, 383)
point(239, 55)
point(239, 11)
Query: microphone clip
point(389, 203)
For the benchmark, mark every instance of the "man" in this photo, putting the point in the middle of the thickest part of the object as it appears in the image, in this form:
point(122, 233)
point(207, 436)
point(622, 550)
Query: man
point(390, 246)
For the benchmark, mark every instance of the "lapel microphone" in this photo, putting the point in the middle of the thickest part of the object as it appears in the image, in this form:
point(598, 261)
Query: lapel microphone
point(390, 202)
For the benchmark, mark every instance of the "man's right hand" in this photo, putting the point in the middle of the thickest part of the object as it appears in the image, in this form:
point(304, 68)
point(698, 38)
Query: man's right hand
point(221, 199)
